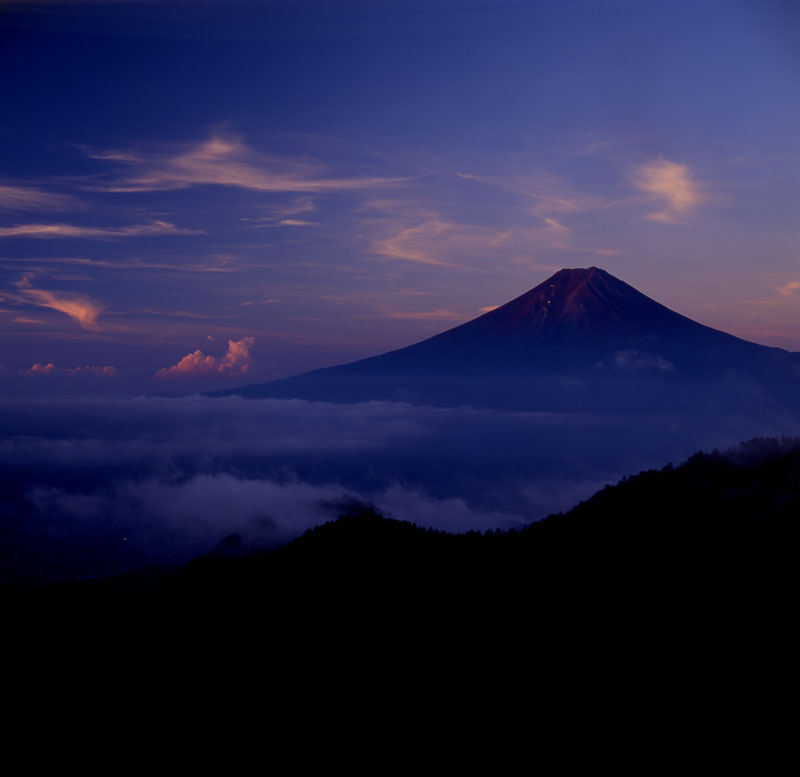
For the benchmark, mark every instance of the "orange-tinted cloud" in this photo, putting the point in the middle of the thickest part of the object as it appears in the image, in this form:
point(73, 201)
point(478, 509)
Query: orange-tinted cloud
point(41, 369)
point(82, 309)
point(49, 231)
point(235, 361)
point(789, 288)
point(672, 183)
point(226, 161)
point(89, 369)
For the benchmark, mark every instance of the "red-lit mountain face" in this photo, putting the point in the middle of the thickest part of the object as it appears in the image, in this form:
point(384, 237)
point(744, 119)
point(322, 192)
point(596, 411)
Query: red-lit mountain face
point(583, 339)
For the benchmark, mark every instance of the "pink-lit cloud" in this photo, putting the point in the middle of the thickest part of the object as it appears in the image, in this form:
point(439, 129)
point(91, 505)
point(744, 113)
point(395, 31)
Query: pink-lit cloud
point(788, 288)
point(415, 243)
point(80, 308)
point(226, 161)
point(41, 369)
point(28, 198)
point(427, 238)
point(50, 231)
point(555, 225)
point(671, 183)
point(235, 361)
point(87, 370)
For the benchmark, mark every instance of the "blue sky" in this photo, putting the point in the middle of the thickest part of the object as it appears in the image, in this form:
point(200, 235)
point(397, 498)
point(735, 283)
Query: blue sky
point(200, 194)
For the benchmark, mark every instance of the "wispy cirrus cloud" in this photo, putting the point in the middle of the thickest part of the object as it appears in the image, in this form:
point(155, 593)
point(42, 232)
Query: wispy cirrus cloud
point(82, 309)
point(78, 307)
point(215, 263)
point(548, 196)
point(287, 223)
point(54, 231)
point(424, 236)
point(416, 243)
point(285, 214)
point(224, 161)
point(29, 198)
point(671, 183)
point(432, 315)
point(235, 361)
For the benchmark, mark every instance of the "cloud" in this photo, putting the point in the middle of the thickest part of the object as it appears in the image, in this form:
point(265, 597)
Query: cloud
point(441, 243)
point(235, 361)
point(436, 241)
point(41, 369)
point(637, 360)
point(555, 225)
point(433, 315)
point(671, 182)
point(82, 309)
point(549, 194)
point(102, 485)
point(50, 368)
point(286, 223)
point(413, 243)
point(224, 263)
point(49, 231)
point(788, 288)
point(29, 198)
point(226, 161)
point(91, 369)
point(296, 207)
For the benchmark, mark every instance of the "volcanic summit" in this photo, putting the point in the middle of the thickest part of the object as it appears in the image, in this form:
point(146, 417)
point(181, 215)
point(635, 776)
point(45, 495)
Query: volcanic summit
point(581, 340)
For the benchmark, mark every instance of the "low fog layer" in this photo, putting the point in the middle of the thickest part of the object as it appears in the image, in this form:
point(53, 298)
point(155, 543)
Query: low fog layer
point(94, 487)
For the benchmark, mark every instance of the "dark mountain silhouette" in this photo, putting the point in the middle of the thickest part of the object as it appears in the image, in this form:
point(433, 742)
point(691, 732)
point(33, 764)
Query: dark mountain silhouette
point(727, 519)
point(652, 624)
point(582, 340)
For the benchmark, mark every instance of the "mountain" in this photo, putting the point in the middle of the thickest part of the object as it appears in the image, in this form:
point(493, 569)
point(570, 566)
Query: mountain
point(582, 340)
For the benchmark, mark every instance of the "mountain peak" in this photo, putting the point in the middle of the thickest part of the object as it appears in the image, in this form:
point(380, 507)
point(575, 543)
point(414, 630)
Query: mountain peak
point(580, 339)
point(577, 304)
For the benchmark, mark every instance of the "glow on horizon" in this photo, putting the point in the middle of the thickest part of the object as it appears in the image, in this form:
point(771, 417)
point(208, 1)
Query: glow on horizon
point(296, 185)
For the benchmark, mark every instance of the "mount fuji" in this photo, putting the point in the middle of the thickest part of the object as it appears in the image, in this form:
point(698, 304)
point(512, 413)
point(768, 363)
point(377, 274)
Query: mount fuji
point(581, 341)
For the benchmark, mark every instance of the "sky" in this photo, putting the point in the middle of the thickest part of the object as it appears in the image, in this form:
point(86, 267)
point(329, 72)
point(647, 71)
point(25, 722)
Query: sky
point(196, 195)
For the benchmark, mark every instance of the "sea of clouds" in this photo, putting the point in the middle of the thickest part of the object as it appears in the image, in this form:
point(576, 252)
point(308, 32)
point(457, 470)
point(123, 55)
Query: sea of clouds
point(91, 487)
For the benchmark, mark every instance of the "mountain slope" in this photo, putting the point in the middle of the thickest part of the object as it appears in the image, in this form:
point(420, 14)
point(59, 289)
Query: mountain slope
point(583, 339)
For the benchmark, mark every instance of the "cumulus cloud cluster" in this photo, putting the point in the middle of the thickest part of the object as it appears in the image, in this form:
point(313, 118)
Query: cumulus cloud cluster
point(88, 369)
point(96, 486)
point(235, 361)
